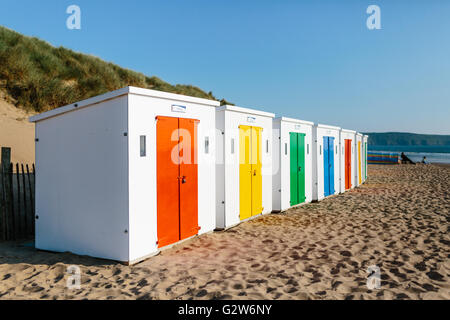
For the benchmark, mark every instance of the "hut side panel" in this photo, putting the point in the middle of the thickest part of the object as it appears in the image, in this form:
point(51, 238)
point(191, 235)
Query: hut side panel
point(82, 181)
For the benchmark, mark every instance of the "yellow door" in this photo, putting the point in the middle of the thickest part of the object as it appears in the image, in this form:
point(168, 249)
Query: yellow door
point(245, 172)
point(256, 171)
point(359, 161)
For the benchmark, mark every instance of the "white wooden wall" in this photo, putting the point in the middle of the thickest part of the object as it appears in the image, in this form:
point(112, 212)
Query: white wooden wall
point(82, 181)
point(281, 178)
point(320, 132)
point(230, 122)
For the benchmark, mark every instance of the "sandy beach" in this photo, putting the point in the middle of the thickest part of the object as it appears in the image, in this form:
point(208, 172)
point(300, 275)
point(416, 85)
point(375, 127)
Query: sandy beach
point(398, 221)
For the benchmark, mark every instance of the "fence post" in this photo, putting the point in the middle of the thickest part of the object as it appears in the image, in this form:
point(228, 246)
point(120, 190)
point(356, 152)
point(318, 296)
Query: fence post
point(2, 205)
point(31, 200)
point(11, 195)
point(6, 163)
point(34, 200)
point(19, 211)
point(25, 201)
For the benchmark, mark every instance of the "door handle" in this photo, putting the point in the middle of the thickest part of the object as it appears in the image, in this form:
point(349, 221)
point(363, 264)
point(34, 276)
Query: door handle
point(299, 168)
point(254, 172)
point(183, 180)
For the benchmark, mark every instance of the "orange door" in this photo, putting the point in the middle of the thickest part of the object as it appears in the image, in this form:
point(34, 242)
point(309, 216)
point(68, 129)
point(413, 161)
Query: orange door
point(176, 177)
point(348, 164)
point(188, 178)
point(167, 172)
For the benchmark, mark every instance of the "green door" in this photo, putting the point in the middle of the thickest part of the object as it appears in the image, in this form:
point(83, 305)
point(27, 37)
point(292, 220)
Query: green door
point(301, 167)
point(294, 168)
point(297, 167)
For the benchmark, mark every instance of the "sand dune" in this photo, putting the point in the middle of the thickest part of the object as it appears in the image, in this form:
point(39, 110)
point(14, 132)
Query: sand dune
point(398, 220)
point(16, 132)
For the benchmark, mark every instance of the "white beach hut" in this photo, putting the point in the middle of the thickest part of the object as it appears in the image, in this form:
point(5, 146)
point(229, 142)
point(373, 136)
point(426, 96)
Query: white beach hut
point(358, 159)
point(292, 163)
point(120, 175)
point(326, 160)
point(244, 164)
point(347, 162)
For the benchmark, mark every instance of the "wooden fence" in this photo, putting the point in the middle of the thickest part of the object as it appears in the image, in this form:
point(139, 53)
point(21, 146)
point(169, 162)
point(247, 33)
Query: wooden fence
point(17, 189)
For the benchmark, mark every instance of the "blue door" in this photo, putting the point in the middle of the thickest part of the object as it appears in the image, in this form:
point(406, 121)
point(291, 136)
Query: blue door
point(328, 165)
point(331, 162)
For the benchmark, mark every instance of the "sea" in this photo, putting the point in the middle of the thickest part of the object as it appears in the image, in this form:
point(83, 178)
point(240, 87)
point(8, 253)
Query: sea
point(433, 154)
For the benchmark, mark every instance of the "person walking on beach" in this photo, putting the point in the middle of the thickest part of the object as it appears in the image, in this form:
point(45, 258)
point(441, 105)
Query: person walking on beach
point(423, 160)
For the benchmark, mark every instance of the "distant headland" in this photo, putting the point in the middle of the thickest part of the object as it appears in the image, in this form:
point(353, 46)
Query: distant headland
point(407, 139)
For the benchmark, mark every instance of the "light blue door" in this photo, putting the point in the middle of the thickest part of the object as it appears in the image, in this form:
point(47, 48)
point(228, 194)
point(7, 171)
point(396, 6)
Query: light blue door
point(331, 162)
point(328, 166)
point(326, 170)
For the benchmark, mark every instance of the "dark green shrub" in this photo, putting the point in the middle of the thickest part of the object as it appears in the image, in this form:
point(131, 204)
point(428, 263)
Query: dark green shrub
point(41, 77)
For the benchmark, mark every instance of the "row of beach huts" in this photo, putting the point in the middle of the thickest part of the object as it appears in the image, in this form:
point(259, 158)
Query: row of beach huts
point(127, 173)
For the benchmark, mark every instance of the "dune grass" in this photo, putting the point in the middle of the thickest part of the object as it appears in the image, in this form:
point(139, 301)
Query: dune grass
point(40, 77)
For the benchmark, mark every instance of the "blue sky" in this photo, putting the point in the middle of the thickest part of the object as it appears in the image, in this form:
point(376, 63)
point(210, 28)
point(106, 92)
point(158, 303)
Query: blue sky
point(312, 60)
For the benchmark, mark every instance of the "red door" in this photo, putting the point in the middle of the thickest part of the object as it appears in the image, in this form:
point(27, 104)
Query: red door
point(188, 178)
point(167, 172)
point(348, 163)
point(176, 177)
